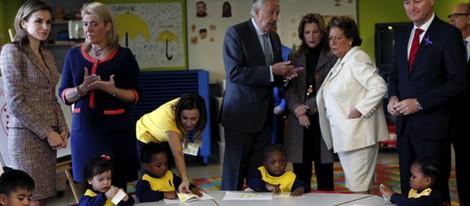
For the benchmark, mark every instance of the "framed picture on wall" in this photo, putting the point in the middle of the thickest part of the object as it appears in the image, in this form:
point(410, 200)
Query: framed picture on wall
point(155, 31)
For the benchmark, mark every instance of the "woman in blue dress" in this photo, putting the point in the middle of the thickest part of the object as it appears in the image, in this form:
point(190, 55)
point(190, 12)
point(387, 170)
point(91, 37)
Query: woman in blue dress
point(101, 79)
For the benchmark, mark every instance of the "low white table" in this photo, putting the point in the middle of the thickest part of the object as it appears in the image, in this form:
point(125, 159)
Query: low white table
point(309, 199)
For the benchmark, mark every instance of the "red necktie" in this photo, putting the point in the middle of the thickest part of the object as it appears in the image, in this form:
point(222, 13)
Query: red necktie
point(414, 47)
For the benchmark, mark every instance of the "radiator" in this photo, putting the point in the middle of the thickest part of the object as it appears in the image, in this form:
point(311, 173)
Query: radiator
point(159, 87)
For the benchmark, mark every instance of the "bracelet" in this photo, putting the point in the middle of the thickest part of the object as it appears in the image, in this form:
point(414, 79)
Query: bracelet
point(114, 94)
point(76, 91)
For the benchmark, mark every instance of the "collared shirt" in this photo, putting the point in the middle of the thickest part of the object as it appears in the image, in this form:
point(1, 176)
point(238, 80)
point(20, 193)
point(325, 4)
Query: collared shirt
point(261, 41)
point(424, 27)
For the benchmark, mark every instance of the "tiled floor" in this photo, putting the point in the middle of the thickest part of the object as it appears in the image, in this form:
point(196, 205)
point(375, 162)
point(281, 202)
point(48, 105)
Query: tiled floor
point(213, 169)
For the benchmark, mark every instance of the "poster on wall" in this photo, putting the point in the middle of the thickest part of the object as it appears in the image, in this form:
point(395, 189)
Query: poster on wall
point(208, 20)
point(154, 32)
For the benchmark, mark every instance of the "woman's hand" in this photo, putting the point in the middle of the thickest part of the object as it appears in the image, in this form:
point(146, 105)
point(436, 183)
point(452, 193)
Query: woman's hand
point(65, 137)
point(184, 187)
point(55, 140)
point(89, 80)
point(304, 121)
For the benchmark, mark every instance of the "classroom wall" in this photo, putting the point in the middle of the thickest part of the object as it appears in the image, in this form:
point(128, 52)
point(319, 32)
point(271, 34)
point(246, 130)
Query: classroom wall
point(369, 12)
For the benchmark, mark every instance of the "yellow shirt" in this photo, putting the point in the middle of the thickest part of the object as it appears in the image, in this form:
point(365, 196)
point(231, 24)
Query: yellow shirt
point(285, 181)
point(153, 126)
point(162, 184)
point(414, 193)
point(90, 193)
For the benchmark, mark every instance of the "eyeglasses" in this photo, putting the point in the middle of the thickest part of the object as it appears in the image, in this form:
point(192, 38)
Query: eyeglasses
point(454, 15)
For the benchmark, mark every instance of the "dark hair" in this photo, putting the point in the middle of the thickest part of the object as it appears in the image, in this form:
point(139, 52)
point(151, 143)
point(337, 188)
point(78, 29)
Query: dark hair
point(24, 13)
point(349, 28)
point(187, 102)
point(13, 179)
point(430, 167)
point(228, 12)
point(317, 19)
point(148, 150)
point(201, 2)
point(270, 149)
point(96, 166)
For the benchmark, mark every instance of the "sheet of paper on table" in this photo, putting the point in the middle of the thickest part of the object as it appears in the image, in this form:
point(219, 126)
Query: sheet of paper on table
point(248, 196)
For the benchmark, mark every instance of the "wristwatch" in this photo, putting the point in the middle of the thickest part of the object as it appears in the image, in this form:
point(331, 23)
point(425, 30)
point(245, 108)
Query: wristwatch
point(418, 105)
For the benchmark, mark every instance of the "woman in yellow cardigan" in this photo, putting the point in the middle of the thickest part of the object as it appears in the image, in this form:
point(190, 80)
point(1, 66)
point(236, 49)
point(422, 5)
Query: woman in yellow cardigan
point(169, 125)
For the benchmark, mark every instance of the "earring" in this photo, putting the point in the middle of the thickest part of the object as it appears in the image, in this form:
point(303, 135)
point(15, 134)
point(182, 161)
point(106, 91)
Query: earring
point(350, 43)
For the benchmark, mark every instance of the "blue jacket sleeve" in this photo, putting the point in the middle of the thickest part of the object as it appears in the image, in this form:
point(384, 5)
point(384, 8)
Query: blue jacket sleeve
point(299, 183)
point(256, 182)
point(145, 193)
point(99, 199)
point(129, 202)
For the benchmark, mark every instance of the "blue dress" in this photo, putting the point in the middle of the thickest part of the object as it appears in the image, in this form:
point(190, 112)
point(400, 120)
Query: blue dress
point(101, 123)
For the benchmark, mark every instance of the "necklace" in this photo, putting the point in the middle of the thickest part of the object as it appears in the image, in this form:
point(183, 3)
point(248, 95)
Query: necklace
point(97, 51)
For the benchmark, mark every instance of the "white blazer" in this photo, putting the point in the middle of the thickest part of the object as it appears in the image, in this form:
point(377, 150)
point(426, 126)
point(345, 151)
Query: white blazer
point(353, 82)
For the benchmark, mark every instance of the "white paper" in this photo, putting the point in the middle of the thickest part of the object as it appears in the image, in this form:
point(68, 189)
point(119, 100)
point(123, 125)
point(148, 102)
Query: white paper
point(188, 198)
point(248, 196)
point(191, 149)
point(118, 197)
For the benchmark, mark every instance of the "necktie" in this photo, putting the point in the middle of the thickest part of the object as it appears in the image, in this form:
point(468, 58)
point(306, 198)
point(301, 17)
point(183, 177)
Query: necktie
point(414, 48)
point(268, 53)
point(465, 42)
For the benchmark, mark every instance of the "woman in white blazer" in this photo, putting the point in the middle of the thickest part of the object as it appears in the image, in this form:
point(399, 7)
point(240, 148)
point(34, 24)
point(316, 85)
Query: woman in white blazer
point(350, 107)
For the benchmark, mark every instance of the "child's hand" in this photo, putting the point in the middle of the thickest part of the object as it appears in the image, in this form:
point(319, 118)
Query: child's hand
point(125, 198)
point(297, 192)
point(273, 188)
point(196, 191)
point(386, 191)
point(170, 195)
point(111, 192)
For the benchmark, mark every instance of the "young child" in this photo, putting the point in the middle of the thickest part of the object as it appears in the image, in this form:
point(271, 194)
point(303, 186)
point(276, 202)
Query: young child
point(16, 188)
point(99, 190)
point(158, 182)
point(273, 177)
point(424, 177)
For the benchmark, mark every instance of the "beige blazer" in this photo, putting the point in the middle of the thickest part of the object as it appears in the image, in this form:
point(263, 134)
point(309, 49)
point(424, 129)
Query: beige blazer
point(30, 90)
point(353, 82)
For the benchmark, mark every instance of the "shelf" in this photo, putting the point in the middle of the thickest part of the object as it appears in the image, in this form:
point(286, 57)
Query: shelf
point(64, 43)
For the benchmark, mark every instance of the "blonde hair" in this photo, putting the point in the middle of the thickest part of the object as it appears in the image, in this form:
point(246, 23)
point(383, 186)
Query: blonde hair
point(102, 12)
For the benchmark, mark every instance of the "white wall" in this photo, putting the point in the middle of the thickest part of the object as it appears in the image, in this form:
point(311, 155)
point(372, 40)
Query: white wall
point(207, 53)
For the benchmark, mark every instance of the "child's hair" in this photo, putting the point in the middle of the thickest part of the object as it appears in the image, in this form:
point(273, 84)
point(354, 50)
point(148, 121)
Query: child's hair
point(14, 179)
point(148, 150)
point(430, 168)
point(274, 148)
point(96, 166)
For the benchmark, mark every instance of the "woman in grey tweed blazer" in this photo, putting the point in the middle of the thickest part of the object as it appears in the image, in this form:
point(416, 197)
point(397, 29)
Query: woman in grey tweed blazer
point(37, 125)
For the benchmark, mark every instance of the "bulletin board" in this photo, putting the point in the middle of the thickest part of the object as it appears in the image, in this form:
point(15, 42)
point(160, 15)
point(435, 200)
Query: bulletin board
point(155, 31)
point(206, 34)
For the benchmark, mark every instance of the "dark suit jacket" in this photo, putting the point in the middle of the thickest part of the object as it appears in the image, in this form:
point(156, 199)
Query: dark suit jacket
point(437, 76)
point(248, 99)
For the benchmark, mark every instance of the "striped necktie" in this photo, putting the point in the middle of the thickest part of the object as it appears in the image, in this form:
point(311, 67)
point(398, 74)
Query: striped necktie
point(268, 52)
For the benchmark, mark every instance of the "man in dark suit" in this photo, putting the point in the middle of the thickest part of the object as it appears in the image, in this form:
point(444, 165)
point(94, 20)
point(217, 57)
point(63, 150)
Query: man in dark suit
point(460, 18)
point(247, 108)
point(421, 91)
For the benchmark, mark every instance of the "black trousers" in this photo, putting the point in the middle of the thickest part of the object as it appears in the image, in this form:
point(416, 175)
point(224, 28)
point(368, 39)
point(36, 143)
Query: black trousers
point(311, 152)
